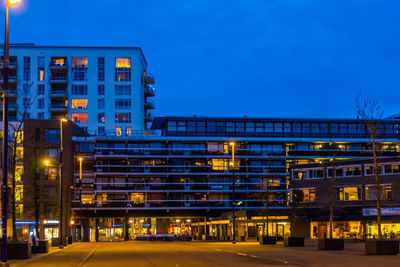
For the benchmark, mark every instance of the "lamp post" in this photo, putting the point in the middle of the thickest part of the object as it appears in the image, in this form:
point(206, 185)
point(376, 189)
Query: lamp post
point(233, 144)
point(60, 223)
point(80, 198)
point(4, 193)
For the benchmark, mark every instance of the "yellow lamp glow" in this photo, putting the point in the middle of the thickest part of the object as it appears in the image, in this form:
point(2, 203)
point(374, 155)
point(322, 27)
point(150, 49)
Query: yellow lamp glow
point(13, 2)
point(64, 120)
point(178, 220)
point(80, 159)
point(46, 162)
point(72, 222)
point(232, 143)
point(44, 221)
point(188, 220)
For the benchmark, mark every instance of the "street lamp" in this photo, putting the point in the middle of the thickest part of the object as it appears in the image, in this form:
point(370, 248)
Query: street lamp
point(60, 223)
point(233, 144)
point(4, 193)
point(80, 197)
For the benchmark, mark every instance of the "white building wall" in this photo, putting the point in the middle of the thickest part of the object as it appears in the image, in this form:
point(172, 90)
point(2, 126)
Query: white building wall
point(138, 66)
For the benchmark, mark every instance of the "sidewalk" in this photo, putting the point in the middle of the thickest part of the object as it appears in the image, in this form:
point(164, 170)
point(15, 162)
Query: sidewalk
point(36, 256)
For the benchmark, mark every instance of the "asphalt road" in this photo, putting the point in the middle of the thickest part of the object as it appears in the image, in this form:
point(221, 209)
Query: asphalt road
point(177, 254)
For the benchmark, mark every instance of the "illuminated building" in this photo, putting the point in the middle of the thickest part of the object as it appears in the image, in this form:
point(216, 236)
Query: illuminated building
point(180, 170)
point(96, 87)
point(353, 195)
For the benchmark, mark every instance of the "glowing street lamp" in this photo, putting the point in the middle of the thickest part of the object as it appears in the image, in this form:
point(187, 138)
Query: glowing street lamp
point(80, 196)
point(4, 191)
point(233, 144)
point(60, 223)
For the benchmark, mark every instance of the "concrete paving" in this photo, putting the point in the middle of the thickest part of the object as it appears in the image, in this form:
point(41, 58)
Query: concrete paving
point(197, 253)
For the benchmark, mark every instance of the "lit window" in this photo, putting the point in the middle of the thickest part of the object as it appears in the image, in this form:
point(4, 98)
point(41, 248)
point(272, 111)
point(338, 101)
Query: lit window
point(348, 193)
point(122, 117)
point(80, 117)
point(87, 199)
point(128, 131)
point(41, 75)
point(79, 103)
point(19, 136)
point(19, 170)
point(19, 192)
point(118, 131)
point(121, 62)
point(58, 61)
point(220, 164)
point(137, 198)
point(79, 62)
point(308, 195)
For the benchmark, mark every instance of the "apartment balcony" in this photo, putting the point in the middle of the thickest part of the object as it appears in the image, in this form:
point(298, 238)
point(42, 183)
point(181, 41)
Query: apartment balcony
point(12, 65)
point(58, 93)
point(148, 117)
point(12, 79)
point(58, 108)
point(149, 104)
point(149, 79)
point(12, 106)
point(59, 80)
point(149, 90)
point(12, 93)
point(58, 66)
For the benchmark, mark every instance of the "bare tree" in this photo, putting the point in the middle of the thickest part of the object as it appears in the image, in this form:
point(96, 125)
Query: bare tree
point(15, 143)
point(368, 113)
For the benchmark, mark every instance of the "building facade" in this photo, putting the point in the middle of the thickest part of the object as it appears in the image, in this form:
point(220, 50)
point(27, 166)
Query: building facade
point(352, 192)
point(177, 177)
point(98, 88)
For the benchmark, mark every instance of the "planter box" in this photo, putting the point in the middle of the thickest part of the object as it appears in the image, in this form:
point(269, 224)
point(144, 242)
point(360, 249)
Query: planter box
point(293, 242)
point(19, 250)
point(42, 248)
point(381, 247)
point(55, 242)
point(267, 240)
point(331, 244)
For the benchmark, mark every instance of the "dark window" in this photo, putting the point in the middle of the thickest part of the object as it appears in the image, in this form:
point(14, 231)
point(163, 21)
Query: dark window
point(52, 136)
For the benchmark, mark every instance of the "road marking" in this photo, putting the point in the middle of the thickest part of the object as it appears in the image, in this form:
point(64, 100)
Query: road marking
point(88, 256)
point(253, 256)
point(243, 254)
point(217, 249)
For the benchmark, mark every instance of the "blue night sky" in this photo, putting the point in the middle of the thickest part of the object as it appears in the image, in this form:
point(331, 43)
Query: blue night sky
point(263, 58)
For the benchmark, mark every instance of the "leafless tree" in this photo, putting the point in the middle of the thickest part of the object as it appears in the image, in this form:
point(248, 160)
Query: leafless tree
point(15, 142)
point(368, 113)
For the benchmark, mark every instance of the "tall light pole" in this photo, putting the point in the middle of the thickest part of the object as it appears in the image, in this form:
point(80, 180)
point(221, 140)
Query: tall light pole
point(233, 144)
point(4, 193)
point(60, 223)
point(80, 198)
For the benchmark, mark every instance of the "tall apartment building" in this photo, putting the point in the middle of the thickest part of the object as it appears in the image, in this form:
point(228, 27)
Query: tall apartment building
point(177, 178)
point(98, 88)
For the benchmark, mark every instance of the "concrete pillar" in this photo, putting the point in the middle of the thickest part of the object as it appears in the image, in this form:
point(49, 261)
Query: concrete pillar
point(41, 230)
point(126, 228)
point(96, 231)
point(86, 232)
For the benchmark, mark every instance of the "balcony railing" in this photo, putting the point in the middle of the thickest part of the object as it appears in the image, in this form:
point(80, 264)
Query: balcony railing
point(149, 79)
point(12, 65)
point(149, 104)
point(58, 93)
point(59, 79)
point(11, 79)
point(149, 90)
point(54, 65)
point(58, 107)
